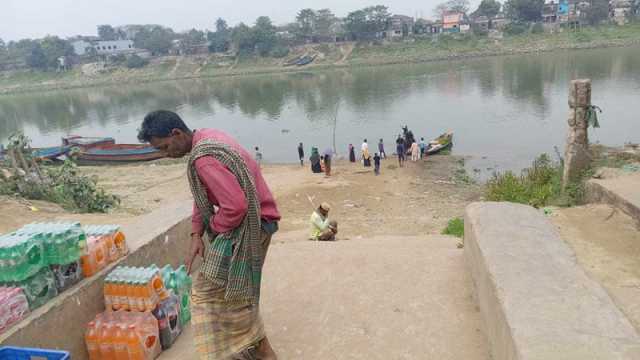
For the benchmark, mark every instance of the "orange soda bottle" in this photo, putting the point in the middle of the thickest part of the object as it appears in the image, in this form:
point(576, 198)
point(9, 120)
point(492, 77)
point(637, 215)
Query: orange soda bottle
point(119, 240)
point(120, 344)
point(92, 337)
point(107, 350)
point(132, 303)
point(135, 349)
point(109, 295)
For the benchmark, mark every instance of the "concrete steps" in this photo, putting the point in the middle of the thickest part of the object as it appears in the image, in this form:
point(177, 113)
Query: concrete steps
point(381, 298)
point(622, 192)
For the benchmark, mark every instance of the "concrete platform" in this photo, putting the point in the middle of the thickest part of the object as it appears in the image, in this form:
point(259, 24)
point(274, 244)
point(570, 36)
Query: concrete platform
point(622, 192)
point(536, 301)
point(383, 298)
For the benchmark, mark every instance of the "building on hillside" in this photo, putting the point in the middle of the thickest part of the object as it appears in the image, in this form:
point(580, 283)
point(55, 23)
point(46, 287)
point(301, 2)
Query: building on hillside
point(550, 12)
point(451, 21)
point(182, 47)
point(437, 27)
point(621, 11)
point(499, 22)
point(103, 47)
point(482, 23)
point(400, 26)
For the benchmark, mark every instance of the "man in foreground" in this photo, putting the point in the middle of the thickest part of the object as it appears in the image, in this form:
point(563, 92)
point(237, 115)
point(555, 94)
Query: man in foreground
point(321, 228)
point(236, 210)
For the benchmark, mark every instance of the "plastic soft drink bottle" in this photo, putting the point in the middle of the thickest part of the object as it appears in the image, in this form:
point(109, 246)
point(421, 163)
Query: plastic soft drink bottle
point(168, 315)
point(91, 338)
point(120, 343)
point(136, 352)
point(107, 350)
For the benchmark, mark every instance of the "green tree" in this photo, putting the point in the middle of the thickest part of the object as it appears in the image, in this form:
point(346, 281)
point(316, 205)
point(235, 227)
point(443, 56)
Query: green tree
point(242, 39)
point(306, 20)
point(366, 23)
point(219, 40)
point(524, 10)
point(461, 6)
point(597, 12)
point(264, 34)
point(53, 47)
point(36, 59)
point(154, 38)
point(3, 50)
point(488, 8)
point(107, 32)
point(325, 20)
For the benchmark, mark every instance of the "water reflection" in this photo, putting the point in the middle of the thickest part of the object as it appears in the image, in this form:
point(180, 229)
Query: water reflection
point(490, 89)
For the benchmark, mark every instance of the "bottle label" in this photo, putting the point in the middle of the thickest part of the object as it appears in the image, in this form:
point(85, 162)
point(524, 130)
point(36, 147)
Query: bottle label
point(163, 323)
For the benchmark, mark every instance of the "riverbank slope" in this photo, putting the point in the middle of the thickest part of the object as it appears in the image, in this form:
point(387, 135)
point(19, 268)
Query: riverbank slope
point(329, 56)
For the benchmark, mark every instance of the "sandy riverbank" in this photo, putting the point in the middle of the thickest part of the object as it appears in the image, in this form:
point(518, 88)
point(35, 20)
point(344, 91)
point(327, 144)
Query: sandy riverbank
point(415, 200)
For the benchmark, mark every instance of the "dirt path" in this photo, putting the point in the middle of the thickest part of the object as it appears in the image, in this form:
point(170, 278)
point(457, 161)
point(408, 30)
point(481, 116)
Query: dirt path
point(607, 245)
point(415, 200)
point(346, 51)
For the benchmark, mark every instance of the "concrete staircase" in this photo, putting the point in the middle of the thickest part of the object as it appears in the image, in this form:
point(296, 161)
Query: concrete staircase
point(381, 298)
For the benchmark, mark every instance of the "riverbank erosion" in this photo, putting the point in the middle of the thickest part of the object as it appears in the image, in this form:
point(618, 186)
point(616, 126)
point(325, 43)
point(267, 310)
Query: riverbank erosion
point(329, 56)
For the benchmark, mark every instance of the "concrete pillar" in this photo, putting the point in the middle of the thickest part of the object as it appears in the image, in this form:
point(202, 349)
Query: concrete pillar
point(577, 157)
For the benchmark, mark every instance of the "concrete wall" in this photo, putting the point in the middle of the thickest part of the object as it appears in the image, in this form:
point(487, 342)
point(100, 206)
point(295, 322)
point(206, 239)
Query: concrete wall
point(161, 237)
point(536, 301)
point(620, 192)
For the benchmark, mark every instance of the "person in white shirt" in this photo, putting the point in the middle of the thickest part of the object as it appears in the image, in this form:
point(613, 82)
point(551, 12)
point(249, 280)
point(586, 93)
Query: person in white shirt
point(365, 145)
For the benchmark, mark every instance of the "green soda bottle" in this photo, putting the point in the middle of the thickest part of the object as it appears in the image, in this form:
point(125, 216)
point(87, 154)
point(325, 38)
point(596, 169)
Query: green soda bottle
point(184, 282)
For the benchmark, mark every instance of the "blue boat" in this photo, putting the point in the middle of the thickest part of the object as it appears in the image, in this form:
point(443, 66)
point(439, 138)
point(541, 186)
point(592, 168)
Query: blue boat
point(50, 153)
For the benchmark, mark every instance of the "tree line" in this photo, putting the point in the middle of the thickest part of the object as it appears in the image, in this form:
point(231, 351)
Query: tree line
point(265, 39)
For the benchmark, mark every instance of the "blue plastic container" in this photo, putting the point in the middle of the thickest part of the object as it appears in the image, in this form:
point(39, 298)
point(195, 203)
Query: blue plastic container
point(16, 353)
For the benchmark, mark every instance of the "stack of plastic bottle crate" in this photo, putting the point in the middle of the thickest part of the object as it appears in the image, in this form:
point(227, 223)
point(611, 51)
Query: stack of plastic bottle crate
point(42, 259)
point(105, 244)
point(132, 294)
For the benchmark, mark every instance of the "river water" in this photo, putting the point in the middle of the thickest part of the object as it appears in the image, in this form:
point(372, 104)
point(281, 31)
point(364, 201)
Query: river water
point(503, 110)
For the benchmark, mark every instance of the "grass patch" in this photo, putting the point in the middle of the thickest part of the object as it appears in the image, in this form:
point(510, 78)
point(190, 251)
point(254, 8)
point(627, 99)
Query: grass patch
point(537, 186)
point(20, 176)
point(455, 227)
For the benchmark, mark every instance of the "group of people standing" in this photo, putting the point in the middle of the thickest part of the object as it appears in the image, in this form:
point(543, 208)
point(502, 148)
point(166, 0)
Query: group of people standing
point(366, 155)
point(321, 163)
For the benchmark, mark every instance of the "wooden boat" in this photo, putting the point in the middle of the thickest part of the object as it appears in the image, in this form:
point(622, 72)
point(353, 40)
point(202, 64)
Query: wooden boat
point(50, 153)
point(117, 154)
point(293, 61)
point(306, 60)
point(442, 142)
point(45, 153)
point(87, 142)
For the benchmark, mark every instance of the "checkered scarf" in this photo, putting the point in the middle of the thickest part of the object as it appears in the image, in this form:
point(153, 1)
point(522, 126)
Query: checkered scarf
point(233, 259)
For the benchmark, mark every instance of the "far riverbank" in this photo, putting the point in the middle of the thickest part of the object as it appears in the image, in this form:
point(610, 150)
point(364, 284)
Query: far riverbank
point(330, 56)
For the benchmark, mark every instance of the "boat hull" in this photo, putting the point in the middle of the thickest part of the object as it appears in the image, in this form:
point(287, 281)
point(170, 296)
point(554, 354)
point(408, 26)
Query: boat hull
point(118, 154)
point(87, 142)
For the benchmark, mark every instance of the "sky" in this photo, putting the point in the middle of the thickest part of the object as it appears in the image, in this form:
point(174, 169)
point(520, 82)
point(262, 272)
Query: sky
point(37, 18)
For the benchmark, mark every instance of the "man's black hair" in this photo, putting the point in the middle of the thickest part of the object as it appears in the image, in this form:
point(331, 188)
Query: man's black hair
point(160, 124)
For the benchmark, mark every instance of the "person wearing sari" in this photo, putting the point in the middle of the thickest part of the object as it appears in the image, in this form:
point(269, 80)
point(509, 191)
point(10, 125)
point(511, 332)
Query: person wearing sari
point(366, 158)
point(236, 213)
point(352, 153)
point(316, 166)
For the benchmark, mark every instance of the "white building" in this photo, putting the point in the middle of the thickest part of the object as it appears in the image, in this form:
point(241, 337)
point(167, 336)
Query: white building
point(103, 47)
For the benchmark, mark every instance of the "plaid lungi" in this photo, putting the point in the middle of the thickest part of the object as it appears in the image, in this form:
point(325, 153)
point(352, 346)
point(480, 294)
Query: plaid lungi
point(225, 330)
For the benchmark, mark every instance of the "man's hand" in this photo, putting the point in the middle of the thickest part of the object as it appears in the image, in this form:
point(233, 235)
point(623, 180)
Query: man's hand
point(197, 248)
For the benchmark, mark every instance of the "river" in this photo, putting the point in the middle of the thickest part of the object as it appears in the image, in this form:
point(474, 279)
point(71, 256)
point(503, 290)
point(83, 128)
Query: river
point(504, 111)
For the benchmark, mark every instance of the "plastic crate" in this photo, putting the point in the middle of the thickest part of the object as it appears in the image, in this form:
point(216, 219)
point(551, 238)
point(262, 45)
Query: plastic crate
point(16, 353)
